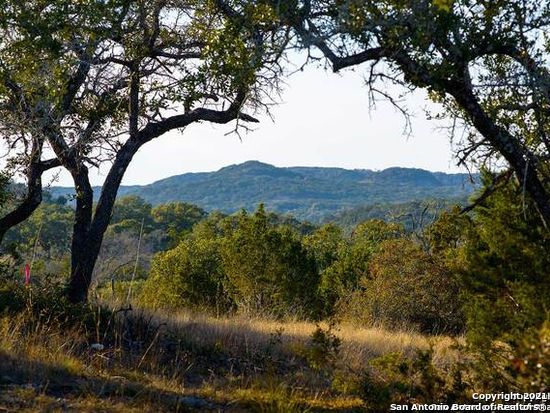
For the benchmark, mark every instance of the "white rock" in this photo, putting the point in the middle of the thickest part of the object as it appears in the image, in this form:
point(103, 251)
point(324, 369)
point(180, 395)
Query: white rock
point(97, 346)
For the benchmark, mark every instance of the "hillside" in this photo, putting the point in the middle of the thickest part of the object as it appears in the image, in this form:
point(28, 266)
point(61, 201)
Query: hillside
point(311, 193)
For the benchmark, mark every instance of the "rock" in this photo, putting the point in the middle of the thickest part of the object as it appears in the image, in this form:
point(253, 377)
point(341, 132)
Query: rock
point(97, 347)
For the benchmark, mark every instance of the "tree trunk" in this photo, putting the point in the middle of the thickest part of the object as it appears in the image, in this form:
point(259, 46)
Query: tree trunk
point(87, 232)
point(82, 262)
point(82, 267)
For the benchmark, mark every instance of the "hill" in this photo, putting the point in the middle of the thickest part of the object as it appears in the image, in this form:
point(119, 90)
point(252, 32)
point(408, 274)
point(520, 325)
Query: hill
point(311, 193)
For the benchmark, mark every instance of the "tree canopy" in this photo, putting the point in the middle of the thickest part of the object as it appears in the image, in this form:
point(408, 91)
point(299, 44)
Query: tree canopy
point(486, 62)
point(92, 82)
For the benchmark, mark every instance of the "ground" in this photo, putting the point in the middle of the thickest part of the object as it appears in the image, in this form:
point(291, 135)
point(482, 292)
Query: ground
point(177, 361)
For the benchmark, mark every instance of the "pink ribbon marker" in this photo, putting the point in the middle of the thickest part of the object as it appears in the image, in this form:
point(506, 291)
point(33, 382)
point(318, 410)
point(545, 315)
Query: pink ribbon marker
point(27, 275)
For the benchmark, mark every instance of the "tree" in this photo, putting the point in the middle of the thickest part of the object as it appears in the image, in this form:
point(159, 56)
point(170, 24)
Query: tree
point(267, 268)
point(177, 218)
point(486, 62)
point(506, 278)
point(95, 81)
point(49, 228)
point(324, 244)
point(411, 288)
point(188, 275)
point(353, 260)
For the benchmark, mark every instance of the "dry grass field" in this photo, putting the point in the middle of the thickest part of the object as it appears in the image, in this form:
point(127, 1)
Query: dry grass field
point(176, 361)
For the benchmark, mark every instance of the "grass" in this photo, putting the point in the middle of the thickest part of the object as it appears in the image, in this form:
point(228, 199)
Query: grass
point(179, 361)
point(359, 344)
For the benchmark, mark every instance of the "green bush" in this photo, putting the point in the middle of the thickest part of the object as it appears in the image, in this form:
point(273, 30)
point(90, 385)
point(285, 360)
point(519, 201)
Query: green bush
point(507, 276)
point(395, 378)
point(243, 262)
point(267, 268)
point(407, 287)
point(350, 260)
point(190, 275)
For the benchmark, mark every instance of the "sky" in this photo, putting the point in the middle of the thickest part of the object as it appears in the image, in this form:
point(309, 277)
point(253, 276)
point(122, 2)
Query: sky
point(323, 120)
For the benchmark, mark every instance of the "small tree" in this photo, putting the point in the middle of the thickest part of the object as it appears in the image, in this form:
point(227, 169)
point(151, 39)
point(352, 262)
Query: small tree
point(267, 268)
point(354, 260)
point(410, 287)
point(177, 218)
point(506, 278)
point(189, 275)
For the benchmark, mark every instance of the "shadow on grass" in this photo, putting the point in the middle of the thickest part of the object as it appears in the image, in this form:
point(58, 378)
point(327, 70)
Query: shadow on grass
point(29, 385)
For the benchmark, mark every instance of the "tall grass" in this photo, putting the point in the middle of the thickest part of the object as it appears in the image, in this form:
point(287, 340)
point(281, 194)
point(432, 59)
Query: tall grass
point(185, 360)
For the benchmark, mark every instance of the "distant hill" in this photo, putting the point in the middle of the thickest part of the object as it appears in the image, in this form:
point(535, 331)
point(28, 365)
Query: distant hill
point(311, 193)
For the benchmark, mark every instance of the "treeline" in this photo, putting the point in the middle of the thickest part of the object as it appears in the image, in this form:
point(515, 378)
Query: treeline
point(413, 215)
point(44, 240)
point(484, 272)
point(249, 263)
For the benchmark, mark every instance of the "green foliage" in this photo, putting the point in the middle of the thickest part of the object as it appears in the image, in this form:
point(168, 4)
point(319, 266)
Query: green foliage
point(346, 197)
point(395, 378)
point(323, 348)
point(39, 56)
point(528, 364)
point(353, 260)
point(323, 245)
point(267, 267)
point(501, 254)
point(241, 261)
point(46, 232)
point(4, 188)
point(190, 274)
point(129, 212)
point(407, 287)
point(176, 218)
point(409, 214)
point(507, 278)
point(43, 300)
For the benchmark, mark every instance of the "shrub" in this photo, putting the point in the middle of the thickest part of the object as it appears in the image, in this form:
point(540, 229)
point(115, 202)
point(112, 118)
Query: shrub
point(407, 287)
point(342, 272)
point(189, 275)
point(322, 349)
point(395, 378)
point(268, 270)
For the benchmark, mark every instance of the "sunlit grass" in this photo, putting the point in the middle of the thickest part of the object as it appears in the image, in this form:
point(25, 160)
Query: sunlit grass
point(232, 363)
point(359, 344)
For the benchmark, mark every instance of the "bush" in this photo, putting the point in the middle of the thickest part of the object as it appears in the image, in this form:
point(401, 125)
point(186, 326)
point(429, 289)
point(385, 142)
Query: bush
point(189, 275)
point(350, 260)
point(507, 277)
point(268, 270)
point(241, 262)
point(395, 378)
point(407, 287)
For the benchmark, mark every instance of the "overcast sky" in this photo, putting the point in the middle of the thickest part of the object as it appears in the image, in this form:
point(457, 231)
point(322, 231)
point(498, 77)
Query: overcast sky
point(323, 120)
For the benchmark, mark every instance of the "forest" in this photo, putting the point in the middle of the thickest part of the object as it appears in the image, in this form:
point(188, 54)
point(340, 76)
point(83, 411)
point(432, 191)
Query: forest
point(111, 303)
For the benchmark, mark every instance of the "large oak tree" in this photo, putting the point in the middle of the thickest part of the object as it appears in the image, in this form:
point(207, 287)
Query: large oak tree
point(89, 83)
point(486, 61)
